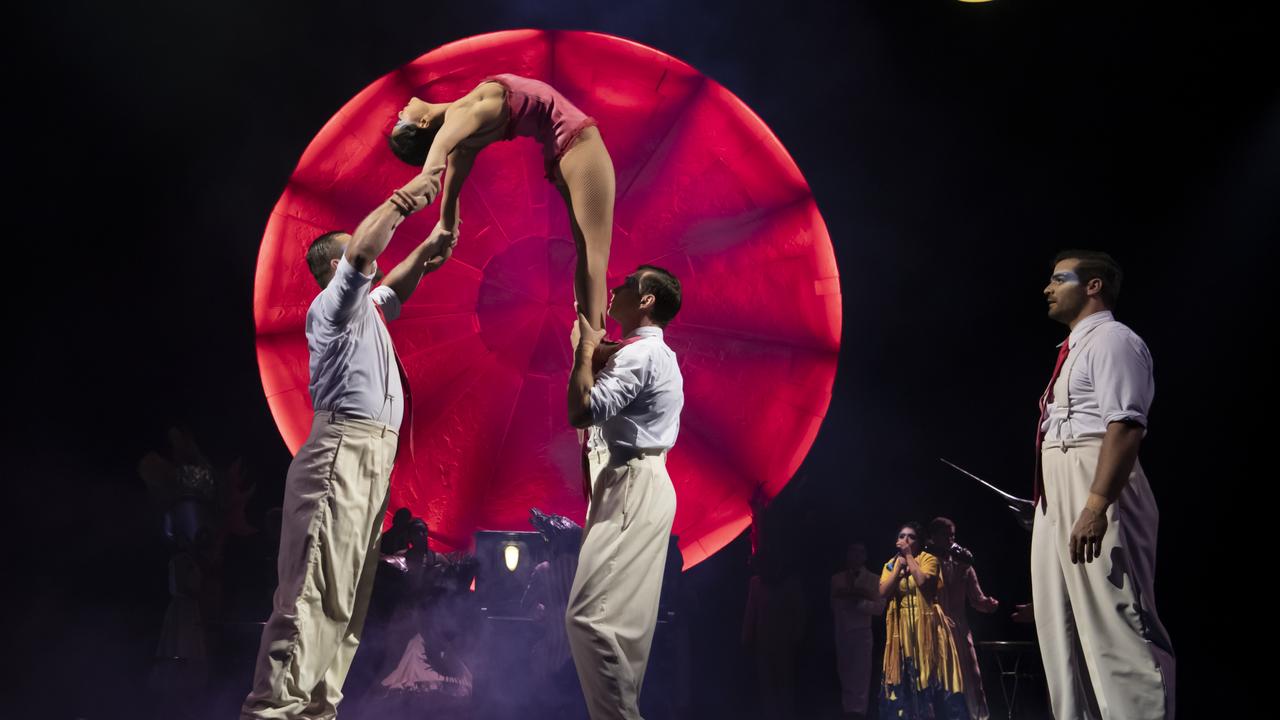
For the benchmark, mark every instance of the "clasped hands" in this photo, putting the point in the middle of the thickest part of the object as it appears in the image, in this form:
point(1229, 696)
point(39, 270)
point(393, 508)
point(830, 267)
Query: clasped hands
point(418, 192)
point(417, 195)
point(586, 341)
point(438, 247)
point(903, 568)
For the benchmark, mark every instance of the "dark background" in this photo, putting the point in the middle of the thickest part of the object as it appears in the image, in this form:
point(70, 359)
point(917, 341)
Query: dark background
point(952, 149)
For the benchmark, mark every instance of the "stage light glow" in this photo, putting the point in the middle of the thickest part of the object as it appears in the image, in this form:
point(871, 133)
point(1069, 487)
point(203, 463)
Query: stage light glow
point(511, 556)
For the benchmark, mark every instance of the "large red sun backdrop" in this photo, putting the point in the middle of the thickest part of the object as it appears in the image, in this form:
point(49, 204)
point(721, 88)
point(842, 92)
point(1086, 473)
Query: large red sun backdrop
point(704, 189)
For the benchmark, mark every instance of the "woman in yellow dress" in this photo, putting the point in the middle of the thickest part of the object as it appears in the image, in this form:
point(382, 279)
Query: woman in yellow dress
point(921, 666)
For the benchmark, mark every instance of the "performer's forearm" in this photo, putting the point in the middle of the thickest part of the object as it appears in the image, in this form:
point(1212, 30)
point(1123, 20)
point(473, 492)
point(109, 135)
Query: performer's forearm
point(980, 600)
point(1115, 461)
point(455, 175)
point(984, 603)
point(460, 122)
point(580, 383)
point(373, 235)
point(887, 584)
point(916, 572)
point(449, 202)
point(438, 153)
point(404, 278)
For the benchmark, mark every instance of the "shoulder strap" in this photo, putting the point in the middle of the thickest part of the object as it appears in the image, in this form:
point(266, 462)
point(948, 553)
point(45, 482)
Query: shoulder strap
point(1072, 357)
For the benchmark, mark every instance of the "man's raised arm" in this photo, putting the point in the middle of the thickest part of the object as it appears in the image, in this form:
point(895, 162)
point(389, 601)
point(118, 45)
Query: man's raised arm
point(374, 232)
point(427, 257)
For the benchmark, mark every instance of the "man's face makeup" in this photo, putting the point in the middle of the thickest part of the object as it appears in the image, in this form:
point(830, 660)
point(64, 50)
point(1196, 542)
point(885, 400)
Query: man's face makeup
point(1065, 292)
point(1062, 277)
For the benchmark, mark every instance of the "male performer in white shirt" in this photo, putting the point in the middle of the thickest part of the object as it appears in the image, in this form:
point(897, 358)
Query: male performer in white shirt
point(1093, 547)
point(635, 403)
point(336, 490)
point(855, 599)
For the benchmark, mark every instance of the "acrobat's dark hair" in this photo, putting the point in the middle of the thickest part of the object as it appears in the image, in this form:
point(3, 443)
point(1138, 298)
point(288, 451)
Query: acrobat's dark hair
point(665, 289)
point(411, 143)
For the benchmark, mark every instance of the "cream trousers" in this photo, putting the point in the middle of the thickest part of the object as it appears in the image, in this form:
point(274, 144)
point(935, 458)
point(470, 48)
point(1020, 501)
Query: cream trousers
point(335, 497)
point(1106, 655)
point(613, 605)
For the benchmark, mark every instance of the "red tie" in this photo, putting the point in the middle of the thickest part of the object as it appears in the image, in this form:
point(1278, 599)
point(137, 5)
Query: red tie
point(407, 414)
point(1045, 398)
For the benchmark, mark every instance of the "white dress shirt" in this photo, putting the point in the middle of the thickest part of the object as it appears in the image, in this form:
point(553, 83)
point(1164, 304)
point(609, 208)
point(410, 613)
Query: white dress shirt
point(353, 364)
point(855, 599)
point(1109, 380)
point(638, 395)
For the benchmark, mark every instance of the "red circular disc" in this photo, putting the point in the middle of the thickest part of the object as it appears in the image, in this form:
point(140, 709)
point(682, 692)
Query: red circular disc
point(704, 189)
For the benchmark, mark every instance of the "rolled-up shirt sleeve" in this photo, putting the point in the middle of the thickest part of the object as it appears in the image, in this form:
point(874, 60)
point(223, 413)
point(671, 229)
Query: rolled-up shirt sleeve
point(345, 294)
point(618, 383)
point(1121, 372)
point(928, 566)
point(387, 300)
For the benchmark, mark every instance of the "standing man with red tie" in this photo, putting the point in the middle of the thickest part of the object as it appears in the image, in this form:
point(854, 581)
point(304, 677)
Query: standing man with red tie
point(1093, 546)
point(634, 402)
point(335, 494)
